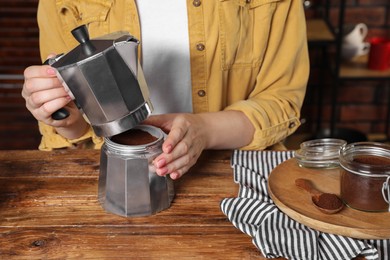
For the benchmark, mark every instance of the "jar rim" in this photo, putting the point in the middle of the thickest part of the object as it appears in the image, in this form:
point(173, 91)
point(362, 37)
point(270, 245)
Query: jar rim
point(156, 132)
point(319, 152)
point(349, 152)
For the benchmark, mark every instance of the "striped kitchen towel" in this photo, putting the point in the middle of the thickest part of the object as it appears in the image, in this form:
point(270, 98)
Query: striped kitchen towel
point(273, 232)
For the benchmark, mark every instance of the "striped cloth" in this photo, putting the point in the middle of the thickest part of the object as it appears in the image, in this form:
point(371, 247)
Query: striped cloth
point(272, 231)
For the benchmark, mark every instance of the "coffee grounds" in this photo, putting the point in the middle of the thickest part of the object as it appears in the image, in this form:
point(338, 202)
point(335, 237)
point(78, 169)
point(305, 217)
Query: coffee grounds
point(372, 160)
point(362, 192)
point(329, 201)
point(134, 137)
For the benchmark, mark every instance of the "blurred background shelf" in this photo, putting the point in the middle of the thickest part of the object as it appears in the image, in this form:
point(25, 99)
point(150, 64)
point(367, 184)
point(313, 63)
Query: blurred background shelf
point(344, 99)
point(357, 69)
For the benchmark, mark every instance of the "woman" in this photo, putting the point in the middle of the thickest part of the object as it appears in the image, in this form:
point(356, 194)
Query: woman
point(243, 68)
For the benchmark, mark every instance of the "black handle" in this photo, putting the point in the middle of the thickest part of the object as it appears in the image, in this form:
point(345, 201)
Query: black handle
point(61, 113)
point(81, 34)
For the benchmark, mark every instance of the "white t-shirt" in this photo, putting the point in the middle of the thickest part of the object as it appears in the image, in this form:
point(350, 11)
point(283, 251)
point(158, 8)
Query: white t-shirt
point(165, 54)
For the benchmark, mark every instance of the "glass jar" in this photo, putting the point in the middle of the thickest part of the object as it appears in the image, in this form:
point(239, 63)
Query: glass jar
point(364, 176)
point(320, 153)
point(128, 183)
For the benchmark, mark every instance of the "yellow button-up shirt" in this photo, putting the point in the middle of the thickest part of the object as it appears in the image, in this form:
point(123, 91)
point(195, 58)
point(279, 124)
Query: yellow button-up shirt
point(246, 55)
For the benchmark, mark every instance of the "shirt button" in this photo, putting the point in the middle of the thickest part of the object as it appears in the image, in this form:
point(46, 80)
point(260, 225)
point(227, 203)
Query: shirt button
point(291, 125)
point(200, 47)
point(201, 93)
point(196, 3)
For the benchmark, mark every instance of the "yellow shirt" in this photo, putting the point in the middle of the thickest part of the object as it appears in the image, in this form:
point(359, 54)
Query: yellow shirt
point(246, 55)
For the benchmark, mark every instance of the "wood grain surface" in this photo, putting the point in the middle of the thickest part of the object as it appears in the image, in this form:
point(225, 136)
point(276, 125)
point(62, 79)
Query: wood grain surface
point(297, 204)
point(49, 210)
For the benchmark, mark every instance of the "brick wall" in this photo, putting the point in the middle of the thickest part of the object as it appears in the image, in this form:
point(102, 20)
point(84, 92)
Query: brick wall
point(18, 49)
point(374, 13)
point(362, 105)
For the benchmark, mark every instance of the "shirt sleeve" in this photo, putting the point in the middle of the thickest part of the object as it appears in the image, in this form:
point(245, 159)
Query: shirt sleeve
point(51, 140)
point(274, 105)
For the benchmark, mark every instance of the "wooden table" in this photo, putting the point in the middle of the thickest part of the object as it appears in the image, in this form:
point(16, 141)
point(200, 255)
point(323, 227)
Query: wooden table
point(49, 209)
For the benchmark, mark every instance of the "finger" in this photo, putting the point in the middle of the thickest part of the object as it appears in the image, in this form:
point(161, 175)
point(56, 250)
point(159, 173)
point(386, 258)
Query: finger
point(182, 165)
point(155, 120)
point(175, 136)
point(179, 165)
point(179, 158)
point(39, 98)
point(163, 122)
point(48, 108)
point(47, 119)
point(177, 174)
point(44, 112)
point(165, 158)
point(41, 84)
point(39, 71)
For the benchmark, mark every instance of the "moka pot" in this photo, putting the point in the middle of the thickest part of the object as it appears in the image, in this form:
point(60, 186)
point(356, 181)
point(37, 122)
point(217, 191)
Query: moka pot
point(105, 78)
point(128, 183)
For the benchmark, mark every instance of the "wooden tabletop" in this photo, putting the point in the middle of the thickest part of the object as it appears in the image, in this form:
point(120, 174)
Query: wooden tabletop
point(49, 209)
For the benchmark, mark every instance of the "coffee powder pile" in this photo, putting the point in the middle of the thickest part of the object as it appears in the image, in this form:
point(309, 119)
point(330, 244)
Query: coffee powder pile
point(134, 137)
point(329, 201)
point(372, 160)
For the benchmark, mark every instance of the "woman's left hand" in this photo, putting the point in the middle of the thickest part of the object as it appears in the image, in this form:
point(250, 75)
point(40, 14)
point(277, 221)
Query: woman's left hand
point(190, 134)
point(184, 144)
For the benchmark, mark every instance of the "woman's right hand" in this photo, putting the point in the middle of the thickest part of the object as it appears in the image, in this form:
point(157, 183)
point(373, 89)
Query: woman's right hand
point(44, 94)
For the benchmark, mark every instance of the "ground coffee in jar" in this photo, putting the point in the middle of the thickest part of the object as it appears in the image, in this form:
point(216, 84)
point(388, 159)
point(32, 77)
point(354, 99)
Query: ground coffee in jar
point(365, 168)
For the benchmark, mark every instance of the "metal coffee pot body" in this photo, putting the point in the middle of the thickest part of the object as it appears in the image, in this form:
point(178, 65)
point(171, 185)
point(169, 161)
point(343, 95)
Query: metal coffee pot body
point(128, 183)
point(106, 80)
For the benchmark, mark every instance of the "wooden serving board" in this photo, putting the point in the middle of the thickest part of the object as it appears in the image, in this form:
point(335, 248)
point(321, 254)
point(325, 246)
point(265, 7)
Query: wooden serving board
point(296, 203)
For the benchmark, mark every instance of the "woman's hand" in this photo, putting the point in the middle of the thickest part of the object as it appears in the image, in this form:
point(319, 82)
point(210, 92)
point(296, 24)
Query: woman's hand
point(190, 134)
point(44, 94)
point(184, 144)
